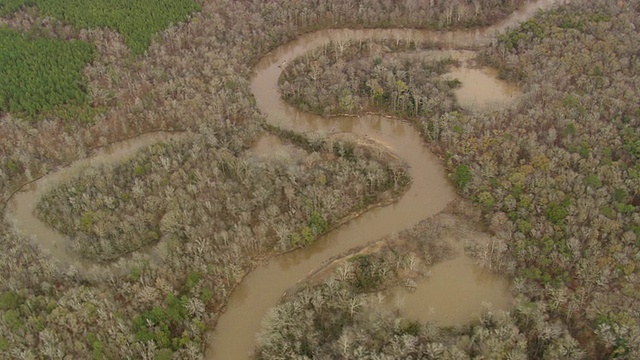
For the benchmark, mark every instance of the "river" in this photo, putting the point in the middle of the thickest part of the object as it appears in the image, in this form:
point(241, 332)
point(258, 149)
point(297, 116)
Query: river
point(429, 193)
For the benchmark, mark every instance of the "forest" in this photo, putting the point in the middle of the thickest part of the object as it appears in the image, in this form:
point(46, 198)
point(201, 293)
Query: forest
point(136, 21)
point(40, 73)
point(552, 179)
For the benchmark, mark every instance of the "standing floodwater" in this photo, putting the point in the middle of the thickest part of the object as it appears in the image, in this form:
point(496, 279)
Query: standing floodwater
point(455, 292)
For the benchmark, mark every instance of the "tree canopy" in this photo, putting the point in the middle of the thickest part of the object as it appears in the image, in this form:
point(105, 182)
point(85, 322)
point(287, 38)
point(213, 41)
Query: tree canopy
point(38, 74)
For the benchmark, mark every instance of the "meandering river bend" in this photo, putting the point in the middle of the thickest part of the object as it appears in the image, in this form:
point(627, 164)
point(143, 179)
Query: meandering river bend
point(429, 193)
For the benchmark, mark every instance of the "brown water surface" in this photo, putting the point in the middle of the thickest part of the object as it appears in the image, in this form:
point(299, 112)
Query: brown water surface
point(454, 293)
point(481, 88)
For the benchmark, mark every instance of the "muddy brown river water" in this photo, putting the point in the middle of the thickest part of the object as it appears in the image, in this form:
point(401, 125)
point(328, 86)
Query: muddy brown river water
point(429, 193)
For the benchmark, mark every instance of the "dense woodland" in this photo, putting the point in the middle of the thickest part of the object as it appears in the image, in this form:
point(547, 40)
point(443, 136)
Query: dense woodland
point(245, 206)
point(556, 177)
point(136, 21)
point(39, 73)
point(359, 77)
